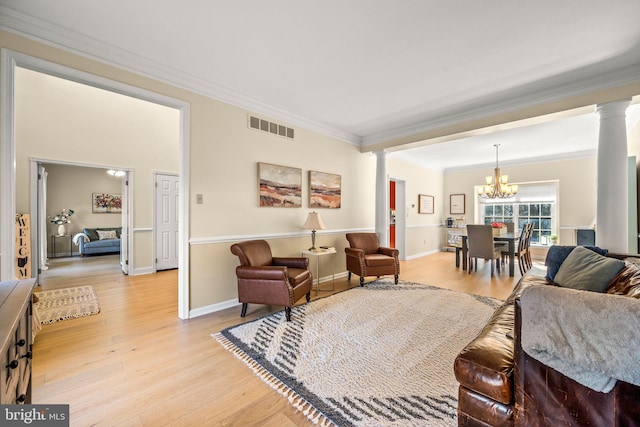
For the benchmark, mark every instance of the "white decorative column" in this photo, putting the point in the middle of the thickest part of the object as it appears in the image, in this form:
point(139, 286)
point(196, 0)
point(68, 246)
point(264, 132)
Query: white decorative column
point(612, 220)
point(382, 198)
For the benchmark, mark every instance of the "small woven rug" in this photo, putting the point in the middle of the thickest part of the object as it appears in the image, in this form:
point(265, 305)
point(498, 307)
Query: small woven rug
point(378, 355)
point(66, 303)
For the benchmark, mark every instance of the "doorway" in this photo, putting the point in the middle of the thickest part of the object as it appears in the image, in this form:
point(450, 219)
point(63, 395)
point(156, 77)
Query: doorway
point(68, 186)
point(9, 192)
point(398, 215)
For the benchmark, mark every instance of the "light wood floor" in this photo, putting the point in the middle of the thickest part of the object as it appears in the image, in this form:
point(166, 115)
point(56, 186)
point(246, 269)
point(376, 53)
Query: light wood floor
point(137, 364)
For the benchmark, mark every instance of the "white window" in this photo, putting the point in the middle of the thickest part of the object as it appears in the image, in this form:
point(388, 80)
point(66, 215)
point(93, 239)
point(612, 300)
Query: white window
point(535, 202)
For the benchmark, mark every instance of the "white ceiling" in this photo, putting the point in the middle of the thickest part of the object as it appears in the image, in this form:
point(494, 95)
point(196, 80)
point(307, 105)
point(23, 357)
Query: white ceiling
point(364, 71)
point(556, 138)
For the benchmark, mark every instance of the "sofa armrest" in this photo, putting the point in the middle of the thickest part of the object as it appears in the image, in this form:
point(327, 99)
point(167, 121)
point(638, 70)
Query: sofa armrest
point(590, 337)
point(545, 396)
point(82, 239)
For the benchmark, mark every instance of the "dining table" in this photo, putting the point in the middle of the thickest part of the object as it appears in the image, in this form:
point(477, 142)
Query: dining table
point(508, 237)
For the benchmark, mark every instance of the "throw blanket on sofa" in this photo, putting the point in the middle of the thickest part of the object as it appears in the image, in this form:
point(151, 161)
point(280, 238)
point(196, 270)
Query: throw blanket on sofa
point(77, 237)
point(592, 338)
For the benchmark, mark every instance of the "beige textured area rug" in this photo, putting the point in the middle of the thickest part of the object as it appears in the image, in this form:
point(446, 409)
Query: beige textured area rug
point(66, 303)
point(379, 355)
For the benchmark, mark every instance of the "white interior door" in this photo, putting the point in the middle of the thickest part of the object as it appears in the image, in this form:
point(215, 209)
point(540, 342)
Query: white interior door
point(166, 223)
point(41, 228)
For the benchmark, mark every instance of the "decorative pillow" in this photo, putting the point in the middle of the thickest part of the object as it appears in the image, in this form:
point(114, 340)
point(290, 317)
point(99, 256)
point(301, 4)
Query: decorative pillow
point(106, 235)
point(91, 232)
point(632, 260)
point(586, 270)
point(557, 254)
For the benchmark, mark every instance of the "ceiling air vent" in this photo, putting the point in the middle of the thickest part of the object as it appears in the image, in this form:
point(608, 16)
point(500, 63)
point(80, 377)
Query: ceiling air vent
point(267, 126)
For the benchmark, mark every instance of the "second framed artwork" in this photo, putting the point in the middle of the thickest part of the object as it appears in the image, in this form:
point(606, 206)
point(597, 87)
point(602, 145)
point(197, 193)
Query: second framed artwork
point(325, 190)
point(106, 203)
point(425, 204)
point(456, 204)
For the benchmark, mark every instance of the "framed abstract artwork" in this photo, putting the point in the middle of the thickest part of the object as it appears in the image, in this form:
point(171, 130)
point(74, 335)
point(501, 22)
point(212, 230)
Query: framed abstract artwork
point(279, 186)
point(456, 204)
point(425, 204)
point(106, 203)
point(325, 190)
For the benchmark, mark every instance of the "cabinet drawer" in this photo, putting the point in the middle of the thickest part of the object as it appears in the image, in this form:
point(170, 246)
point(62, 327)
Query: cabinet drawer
point(15, 341)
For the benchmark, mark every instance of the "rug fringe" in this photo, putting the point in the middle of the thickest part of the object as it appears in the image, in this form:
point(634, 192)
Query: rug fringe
point(297, 401)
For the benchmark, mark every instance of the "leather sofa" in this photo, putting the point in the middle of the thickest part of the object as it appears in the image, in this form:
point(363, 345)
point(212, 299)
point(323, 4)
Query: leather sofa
point(95, 245)
point(502, 385)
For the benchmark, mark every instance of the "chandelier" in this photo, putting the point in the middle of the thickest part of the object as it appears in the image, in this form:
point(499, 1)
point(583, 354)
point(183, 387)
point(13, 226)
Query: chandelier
point(497, 186)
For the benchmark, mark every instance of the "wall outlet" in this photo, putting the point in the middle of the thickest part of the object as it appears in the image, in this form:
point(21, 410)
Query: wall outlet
point(199, 199)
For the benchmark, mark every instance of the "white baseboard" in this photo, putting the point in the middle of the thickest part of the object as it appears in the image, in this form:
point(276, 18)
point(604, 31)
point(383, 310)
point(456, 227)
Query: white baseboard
point(201, 311)
point(420, 255)
point(141, 271)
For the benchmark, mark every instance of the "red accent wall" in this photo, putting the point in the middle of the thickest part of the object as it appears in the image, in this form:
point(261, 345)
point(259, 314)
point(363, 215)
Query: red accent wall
point(392, 195)
point(392, 206)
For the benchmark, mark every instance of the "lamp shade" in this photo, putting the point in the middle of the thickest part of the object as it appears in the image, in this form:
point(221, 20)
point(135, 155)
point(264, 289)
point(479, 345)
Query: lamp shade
point(313, 222)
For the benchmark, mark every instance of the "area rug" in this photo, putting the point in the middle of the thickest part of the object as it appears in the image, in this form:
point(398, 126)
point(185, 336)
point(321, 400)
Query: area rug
point(66, 303)
point(379, 355)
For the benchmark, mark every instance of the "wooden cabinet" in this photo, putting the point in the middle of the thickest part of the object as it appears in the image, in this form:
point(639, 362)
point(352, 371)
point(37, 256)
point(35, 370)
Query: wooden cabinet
point(16, 339)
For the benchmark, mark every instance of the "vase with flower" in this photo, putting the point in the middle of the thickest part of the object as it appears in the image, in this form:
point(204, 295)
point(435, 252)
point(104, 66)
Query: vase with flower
point(61, 219)
point(499, 228)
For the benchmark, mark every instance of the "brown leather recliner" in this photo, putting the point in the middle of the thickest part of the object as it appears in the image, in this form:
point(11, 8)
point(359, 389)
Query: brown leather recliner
point(366, 257)
point(264, 279)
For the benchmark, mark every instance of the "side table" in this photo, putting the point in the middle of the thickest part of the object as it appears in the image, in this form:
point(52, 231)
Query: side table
point(318, 253)
point(54, 238)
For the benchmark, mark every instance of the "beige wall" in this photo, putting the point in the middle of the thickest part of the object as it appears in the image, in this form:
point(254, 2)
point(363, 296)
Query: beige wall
point(224, 170)
point(71, 187)
point(577, 197)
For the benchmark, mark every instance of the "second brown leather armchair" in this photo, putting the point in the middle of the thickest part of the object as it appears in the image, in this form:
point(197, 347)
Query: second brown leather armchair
point(366, 257)
point(264, 279)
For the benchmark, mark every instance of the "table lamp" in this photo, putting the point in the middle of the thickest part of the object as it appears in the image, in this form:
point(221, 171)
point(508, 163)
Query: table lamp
point(313, 223)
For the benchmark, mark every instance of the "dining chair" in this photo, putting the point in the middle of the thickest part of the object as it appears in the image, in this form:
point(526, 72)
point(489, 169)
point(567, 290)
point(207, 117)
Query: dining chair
point(527, 252)
point(523, 254)
point(480, 245)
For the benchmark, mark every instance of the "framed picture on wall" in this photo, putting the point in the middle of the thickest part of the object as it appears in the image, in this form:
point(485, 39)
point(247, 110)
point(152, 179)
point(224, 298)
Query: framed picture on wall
point(425, 204)
point(324, 190)
point(456, 204)
point(279, 186)
point(106, 203)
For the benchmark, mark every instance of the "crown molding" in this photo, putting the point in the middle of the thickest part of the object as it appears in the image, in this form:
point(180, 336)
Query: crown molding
point(96, 50)
point(530, 96)
point(527, 161)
